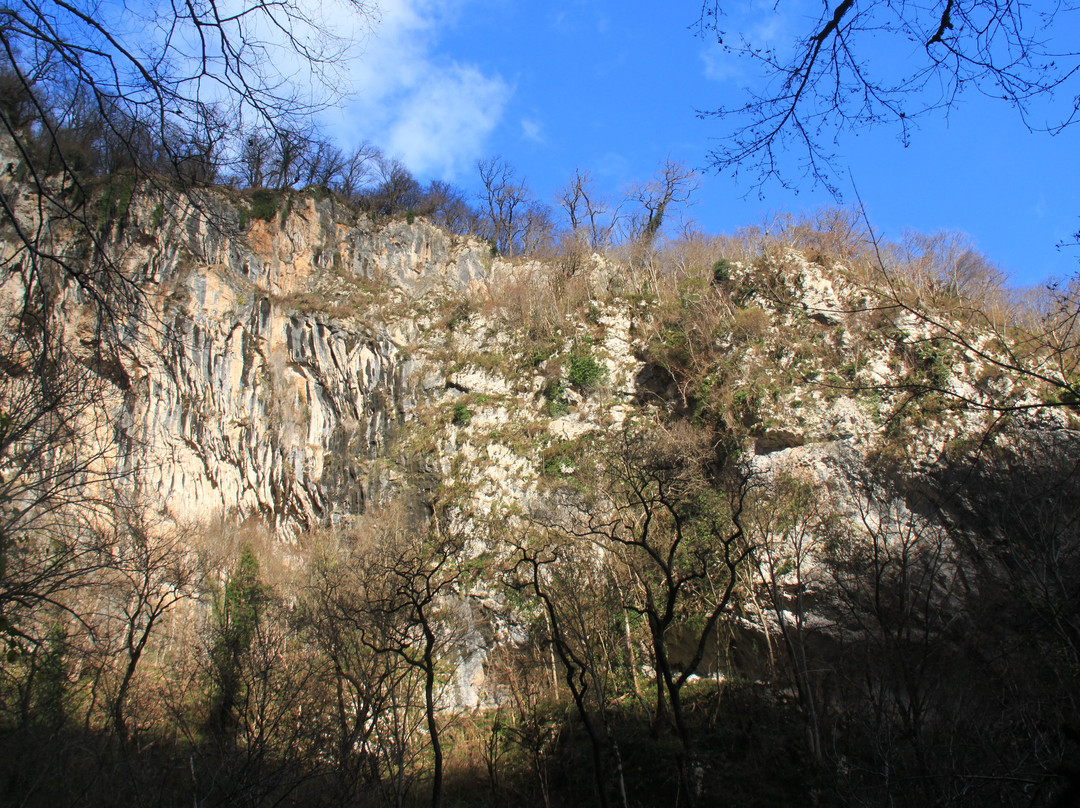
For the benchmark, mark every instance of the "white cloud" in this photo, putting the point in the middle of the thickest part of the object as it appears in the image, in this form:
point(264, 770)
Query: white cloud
point(720, 65)
point(431, 111)
point(439, 126)
point(614, 166)
point(532, 130)
point(758, 23)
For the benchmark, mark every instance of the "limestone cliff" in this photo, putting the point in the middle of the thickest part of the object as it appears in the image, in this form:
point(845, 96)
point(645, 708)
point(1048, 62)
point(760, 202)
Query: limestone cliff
point(868, 462)
point(293, 366)
point(267, 369)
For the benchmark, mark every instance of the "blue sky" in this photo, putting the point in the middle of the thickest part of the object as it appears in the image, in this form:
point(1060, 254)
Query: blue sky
point(613, 88)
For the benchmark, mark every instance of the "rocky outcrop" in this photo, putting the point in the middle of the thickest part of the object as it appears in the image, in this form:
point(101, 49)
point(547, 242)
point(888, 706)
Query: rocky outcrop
point(267, 369)
point(272, 363)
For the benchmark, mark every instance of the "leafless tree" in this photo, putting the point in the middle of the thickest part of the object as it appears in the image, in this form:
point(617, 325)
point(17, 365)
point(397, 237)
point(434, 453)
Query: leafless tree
point(575, 590)
point(535, 228)
point(449, 209)
point(528, 682)
point(902, 592)
point(792, 526)
point(592, 219)
point(395, 189)
point(1012, 501)
point(831, 77)
point(417, 578)
point(681, 538)
point(146, 83)
point(1016, 496)
point(151, 570)
point(294, 155)
point(671, 186)
point(505, 198)
point(361, 682)
point(956, 296)
point(385, 611)
point(51, 443)
point(358, 170)
point(256, 156)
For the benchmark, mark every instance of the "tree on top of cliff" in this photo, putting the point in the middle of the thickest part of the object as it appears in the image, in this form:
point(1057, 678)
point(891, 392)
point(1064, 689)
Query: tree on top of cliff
point(92, 89)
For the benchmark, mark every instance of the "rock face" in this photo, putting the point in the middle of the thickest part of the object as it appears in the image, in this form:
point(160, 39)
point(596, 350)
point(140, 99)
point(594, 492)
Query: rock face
point(264, 375)
point(295, 370)
point(272, 363)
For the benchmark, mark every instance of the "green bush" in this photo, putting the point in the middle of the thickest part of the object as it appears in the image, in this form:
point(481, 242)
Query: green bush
point(721, 271)
point(585, 372)
point(1070, 396)
point(286, 210)
point(555, 393)
point(263, 205)
point(746, 406)
point(933, 361)
point(542, 352)
point(115, 200)
point(691, 291)
point(462, 414)
point(558, 461)
point(317, 192)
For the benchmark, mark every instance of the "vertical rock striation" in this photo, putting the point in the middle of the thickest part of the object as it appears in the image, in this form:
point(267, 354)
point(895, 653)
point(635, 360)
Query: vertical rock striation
point(263, 380)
